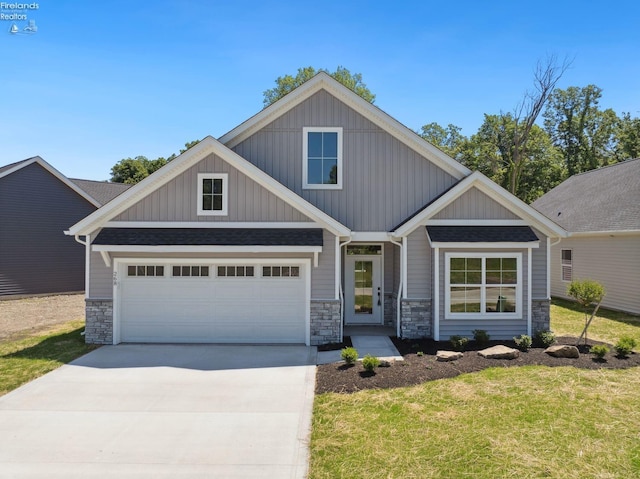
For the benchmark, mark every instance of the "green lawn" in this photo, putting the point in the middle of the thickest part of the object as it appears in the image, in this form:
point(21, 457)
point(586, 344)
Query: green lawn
point(25, 359)
point(533, 422)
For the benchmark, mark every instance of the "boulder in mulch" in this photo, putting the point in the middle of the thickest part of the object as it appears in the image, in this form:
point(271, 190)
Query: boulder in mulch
point(562, 351)
point(499, 352)
point(448, 356)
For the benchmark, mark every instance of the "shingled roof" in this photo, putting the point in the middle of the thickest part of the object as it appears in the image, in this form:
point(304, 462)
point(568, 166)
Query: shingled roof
point(101, 191)
point(481, 234)
point(606, 199)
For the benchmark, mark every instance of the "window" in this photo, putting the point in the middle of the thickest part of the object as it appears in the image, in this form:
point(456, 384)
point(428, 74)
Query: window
point(483, 286)
point(366, 249)
point(567, 265)
point(280, 271)
point(134, 270)
point(322, 158)
point(235, 271)
point(212, 194)
point(188, 271)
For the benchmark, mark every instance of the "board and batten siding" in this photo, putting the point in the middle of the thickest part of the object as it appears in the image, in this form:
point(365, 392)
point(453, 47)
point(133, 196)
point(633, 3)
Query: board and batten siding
point(178, 199)
point(539, 268)
point(474, 204)
point(322, 276)
point(384, 181)
point(36, 257)
point(419, 268)
point(612, 261)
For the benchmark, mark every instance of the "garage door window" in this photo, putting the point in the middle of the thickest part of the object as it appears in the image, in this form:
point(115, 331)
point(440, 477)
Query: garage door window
point(235, 271)
point(280, 271)
point(190, 271)
point(143, 270)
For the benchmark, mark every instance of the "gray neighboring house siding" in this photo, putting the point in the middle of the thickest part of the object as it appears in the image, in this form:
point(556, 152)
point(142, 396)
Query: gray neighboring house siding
point(35, 255)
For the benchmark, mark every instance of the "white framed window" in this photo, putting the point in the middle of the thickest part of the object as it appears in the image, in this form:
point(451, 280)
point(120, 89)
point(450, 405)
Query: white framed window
point(189, 271)
point(235, 271)
point(566, 265)
point(280, 271)
point(483, 285)
point(213, 194)
point(145, 270)
point(322, 158)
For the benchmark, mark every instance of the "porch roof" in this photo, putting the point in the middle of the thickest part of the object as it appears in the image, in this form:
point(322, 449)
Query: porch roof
point(481, 234)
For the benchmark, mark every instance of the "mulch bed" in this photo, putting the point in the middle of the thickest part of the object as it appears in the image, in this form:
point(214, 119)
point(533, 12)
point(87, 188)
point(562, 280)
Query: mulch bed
point(418, 368)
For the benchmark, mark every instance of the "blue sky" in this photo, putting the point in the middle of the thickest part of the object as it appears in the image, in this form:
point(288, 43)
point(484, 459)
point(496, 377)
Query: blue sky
point(101, 81)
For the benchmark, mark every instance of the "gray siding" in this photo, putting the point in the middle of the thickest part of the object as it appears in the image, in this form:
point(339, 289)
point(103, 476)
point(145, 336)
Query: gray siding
point(177, 200)
point(384, 181)
point(419, 269)
point(35, 255)
point(389, 268)
point(474, 204)
point(539, 268)
point(613, 261)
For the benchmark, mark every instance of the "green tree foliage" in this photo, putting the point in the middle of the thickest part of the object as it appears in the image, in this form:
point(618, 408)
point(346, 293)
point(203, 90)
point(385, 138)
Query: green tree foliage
point(585, 134)
point(589, 294)
point(448, 139)
point(628, 138)
point(134, 170)
point(287, 83)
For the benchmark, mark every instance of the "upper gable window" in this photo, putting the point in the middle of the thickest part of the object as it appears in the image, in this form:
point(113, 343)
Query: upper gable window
point(322, 158)
point(212, 194)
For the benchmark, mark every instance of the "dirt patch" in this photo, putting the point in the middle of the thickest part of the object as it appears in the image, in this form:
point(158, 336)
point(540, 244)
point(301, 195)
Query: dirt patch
point(23, 317)
point(420, 365)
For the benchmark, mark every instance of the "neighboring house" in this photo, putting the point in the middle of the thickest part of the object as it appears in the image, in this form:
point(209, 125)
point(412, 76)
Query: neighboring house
point(601, 211)
point(37, 203)
point(320, 211)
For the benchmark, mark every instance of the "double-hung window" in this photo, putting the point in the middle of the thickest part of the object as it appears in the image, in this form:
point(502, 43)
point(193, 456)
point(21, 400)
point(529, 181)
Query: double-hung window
point(567, 265)
point(483, 285)
point(322, 158)
point(212, 194)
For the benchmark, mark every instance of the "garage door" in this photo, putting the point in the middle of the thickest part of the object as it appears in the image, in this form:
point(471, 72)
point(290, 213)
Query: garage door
point(209, 302)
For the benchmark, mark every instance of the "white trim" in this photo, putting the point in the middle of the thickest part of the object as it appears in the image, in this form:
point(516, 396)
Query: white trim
point(87, 266)
point(494, 245)
point(472, 222)
point(205, 249)
point(225, 194)
point(210, 224)
point(337, 265)
point(529, 289)
point(364, 257)
point(54, 172)
point(185, 161)
point(436, 295)
point(106, 258)
point(323, 81)
point(548, 268)
point(374, 236)
point(604, 233)
point(305, 158)
point(403, 267)
point(482, 314)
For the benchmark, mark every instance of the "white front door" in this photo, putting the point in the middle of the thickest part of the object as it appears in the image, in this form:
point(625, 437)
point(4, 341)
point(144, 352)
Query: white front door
point(364, 298)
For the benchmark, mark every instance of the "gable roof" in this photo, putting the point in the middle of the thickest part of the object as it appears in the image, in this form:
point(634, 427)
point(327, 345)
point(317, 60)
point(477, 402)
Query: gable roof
point(495, 192)
point(13, 167)
point(102, 191)
point(323, 81)
point(606, 199)
point(182, 163)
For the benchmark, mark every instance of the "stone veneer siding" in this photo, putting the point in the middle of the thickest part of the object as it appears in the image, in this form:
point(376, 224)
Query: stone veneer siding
point(416, 320)
point(540, 315)
point(325, 322)
point(99, 321)
point(390, 306)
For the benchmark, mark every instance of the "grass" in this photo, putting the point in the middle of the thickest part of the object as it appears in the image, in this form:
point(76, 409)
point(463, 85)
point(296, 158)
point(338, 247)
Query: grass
point(23, 360)
point(533, 422)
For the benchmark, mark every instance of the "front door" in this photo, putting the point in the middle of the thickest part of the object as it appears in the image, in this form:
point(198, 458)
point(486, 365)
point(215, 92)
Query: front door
point(364, 299)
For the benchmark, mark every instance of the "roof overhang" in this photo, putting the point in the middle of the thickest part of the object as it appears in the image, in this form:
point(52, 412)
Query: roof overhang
point(581, 234)
point(482, 237)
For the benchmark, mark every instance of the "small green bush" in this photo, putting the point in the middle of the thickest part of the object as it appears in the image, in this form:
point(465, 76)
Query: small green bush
point(458, 343)
point(370, 362)
point(481, 336)
point(599, 350)
point(420, 354)
point(523, 342)
point(544, 339)
point(349, 355)
point(625, 345)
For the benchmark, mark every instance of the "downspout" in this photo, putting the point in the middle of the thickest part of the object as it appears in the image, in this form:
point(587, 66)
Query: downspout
point(400, 286)
point(549, 245)
point(340, 291)
point(87, 265)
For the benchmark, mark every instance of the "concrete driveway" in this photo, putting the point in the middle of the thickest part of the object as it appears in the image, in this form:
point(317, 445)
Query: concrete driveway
point(164, 411)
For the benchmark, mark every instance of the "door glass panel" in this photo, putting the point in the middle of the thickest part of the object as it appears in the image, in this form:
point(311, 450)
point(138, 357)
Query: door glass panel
point(363, 287)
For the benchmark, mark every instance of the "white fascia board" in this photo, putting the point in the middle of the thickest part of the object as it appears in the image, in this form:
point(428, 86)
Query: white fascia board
point(578, 234)
point(211, 224)
point(370, 236)
point(496, 245)
point(374, 114)
point(476, 223)
point(204, 249)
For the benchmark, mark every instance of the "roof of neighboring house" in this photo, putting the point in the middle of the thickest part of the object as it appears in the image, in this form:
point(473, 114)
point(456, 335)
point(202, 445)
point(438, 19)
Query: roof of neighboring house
point(210, 236)
point(481, 234)
point(101, 191)
point(606, 199)
point(12, 165)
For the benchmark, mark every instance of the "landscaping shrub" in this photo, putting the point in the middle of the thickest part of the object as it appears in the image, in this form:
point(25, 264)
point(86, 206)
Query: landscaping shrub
point(370, 362)
point(544, 339)
point(599, 350)
point(523, 342)
point(625, 345)
point(349, 355)
point(458, 343)
point(481, 337)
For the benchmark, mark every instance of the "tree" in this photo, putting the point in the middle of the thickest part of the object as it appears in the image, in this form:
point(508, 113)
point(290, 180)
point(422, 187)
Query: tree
point(584, 133)
point(288, 83)
point(448, 139)
point(627, 138)
point(588, 293)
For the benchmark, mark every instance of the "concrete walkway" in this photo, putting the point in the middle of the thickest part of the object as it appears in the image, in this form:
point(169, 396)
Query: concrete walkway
point(164, 411)
point(379, 346)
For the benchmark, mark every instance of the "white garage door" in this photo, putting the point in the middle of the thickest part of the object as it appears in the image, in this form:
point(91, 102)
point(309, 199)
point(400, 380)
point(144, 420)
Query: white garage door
point(209, 302)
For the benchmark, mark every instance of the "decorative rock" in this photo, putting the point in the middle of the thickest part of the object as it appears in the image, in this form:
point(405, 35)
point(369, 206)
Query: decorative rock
point(384, 363)
point(499, 352)
point(448, 356)
point(562, 351)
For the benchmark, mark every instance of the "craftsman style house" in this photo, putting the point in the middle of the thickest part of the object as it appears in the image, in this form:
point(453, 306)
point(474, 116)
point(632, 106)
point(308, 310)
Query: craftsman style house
point(320, 211)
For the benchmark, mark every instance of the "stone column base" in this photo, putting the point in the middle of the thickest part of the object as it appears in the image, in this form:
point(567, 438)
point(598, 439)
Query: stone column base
point(99, 322)
point(416, 320)
point(325, 322)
